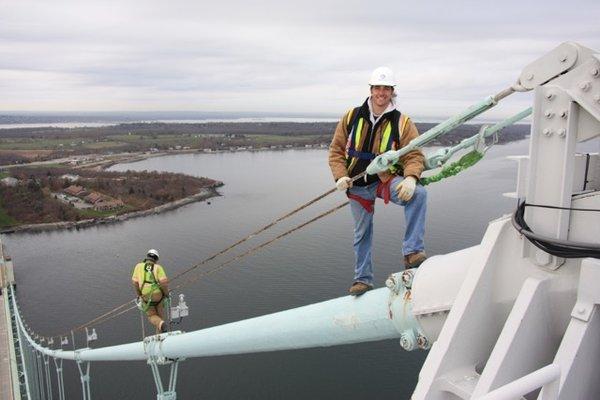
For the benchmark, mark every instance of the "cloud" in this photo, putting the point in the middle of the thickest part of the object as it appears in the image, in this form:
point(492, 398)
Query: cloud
point(297, 57)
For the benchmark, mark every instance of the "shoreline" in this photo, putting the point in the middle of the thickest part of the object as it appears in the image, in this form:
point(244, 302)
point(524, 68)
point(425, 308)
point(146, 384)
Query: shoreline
point(141, 156)
point(204, 194)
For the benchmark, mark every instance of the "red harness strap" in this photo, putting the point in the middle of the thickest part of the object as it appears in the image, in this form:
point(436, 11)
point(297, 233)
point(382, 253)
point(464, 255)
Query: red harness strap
point(366, 204)
point(383, 191)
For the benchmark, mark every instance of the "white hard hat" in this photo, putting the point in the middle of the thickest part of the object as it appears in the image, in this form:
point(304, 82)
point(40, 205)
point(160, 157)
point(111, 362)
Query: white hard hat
point(382, 76)
point(152, 253)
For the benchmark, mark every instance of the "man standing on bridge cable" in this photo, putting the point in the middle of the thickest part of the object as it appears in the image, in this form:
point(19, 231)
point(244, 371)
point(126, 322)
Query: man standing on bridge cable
point(151, 286)
point(362, 134)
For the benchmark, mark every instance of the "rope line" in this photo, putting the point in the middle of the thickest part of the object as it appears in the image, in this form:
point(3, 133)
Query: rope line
point(98, 321)
point(260, 246)
point(259, 231)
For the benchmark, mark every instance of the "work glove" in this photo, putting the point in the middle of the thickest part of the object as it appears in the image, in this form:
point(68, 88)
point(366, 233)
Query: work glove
point(343, 183)
point(406, 188)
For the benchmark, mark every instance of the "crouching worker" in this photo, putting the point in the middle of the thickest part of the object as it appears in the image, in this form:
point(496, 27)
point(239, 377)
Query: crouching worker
point(151, 286)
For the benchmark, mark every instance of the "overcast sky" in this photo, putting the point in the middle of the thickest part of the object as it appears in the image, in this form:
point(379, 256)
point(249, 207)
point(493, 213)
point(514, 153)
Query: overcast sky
point(311, 57)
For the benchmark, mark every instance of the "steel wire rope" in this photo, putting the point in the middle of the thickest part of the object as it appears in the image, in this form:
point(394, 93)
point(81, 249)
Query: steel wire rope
point(260, 246)
point(255, 233)
point(222, 265)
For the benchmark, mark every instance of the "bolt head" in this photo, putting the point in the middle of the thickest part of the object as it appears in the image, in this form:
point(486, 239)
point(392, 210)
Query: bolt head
point(407, 278)
point(422, 342)
point(547, 132)
point(563, 58)
point(529, 76)
point(562, 132)
point(549, 114)
point(564, 114)
point(390, 283)
point(585, 86)
point(408, 341)
point(595, 72)
point(597, 98)
point(549, 95)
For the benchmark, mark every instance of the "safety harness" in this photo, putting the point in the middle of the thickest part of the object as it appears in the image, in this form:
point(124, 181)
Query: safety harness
point(149, 273)
point(357, 122)
point(359, 148)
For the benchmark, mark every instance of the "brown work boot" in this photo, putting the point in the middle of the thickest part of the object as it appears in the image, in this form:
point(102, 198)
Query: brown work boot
point(163, 327)
point(359, 288)
point(413, 260)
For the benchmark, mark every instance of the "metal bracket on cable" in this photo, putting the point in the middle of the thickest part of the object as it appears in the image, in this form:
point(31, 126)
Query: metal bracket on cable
point(90, 337)
point(150, 343)
point(161, 393)
point(84, 374)
point(180, 311)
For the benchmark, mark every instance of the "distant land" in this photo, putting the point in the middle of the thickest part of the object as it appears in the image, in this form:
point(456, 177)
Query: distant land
point(55, 178)
point(114, 117)
point(23, 145)
point(14, 118)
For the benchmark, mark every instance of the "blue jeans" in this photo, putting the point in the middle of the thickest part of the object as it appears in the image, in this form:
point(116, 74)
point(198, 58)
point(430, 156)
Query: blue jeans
point(414, 213)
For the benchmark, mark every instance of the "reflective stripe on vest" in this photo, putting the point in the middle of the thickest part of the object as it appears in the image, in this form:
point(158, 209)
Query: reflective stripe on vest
point(356, 134)
point(386, 138)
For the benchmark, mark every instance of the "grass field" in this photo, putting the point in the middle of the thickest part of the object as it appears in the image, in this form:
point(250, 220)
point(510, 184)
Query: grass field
point(6, 220)
point(115, 142)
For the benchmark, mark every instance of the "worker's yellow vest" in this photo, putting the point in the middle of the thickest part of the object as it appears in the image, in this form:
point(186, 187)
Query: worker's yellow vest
point(148, 277)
